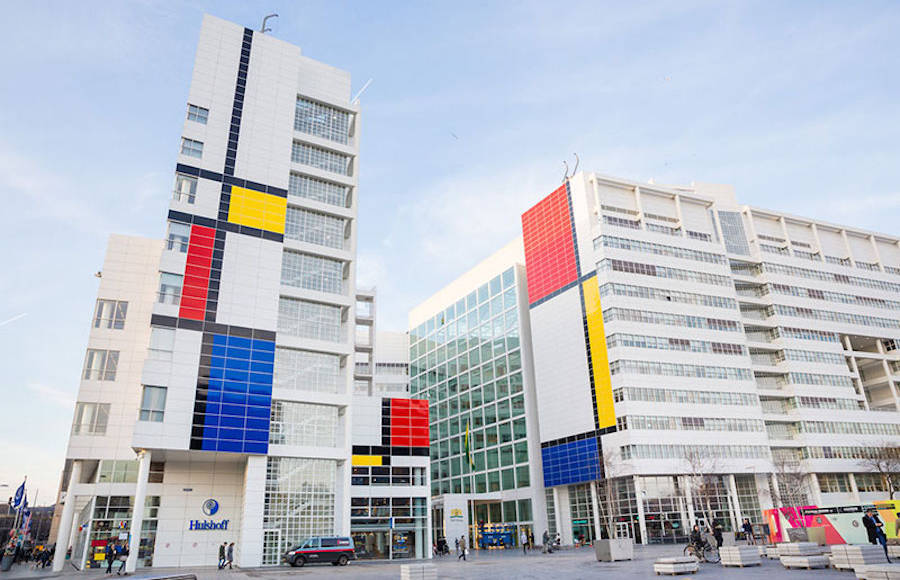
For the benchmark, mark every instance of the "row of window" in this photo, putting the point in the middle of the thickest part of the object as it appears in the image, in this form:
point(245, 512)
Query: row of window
point(312, 272)
point(93, 418)
point(826, 403)
point(847, 428)
point(831, 316)
point(383, 507)
point(126, 471)
point(314, 118)
point(481, 393)
point(640, 367)
point(810, 356)
point(657, 423)
point(684, 451)
point(491, 481)
point(684, 397)
point(318, 190)
point(773, 268)
point(804, 334)
point(312, 227)
point(678, 344)
point(831, 296)
point(846, 452)
point(320, 158)
point(658, 249)
point(303, 424)
point(512, 450)
point(479, 415)
point(609, 264)
point(666, 319)
point(824, 380)
point(667, 295)
point(313, 320)
point(833, 482)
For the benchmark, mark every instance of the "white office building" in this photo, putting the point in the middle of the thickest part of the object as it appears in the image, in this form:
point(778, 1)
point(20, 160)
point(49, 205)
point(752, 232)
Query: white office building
point(696, 354)
point(215, 402)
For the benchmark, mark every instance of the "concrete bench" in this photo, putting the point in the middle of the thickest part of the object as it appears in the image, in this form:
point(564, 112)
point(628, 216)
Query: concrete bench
point(809, 562)
point(418, 572)
point(799, 549)
point(676, 565)
point(771, 552)
point(739, 556)
point(879, 571)
point(850, 557)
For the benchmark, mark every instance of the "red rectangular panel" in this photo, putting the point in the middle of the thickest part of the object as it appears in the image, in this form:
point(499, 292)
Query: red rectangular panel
point(409, 422)
point(196, 273)
point(549, 245)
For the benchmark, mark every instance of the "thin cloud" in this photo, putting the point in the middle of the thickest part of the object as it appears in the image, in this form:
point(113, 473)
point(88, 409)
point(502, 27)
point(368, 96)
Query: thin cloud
point(55, 396)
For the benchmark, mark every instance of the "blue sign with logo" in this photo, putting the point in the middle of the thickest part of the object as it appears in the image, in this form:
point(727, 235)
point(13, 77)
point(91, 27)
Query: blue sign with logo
point(210, 507)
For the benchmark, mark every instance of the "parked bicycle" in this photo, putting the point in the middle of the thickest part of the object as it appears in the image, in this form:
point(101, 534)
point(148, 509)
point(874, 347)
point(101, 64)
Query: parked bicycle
point(704, 552)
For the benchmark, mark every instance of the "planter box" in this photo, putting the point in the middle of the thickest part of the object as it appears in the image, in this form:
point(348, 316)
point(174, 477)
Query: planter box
point(614, 550)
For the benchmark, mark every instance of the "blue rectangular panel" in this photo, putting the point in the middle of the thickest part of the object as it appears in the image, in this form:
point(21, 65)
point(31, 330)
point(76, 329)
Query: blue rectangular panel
point(239, 395)
point(574, 462)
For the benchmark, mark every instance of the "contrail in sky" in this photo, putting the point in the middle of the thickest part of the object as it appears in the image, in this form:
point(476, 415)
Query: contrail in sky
point(13, 319)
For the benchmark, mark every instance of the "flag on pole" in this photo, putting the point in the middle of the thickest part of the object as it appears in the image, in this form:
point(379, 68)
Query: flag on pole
point(26, 523)
point(20, 495)
point(469, 458)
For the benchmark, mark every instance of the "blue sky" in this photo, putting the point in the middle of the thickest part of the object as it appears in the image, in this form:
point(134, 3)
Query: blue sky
point(473, 107)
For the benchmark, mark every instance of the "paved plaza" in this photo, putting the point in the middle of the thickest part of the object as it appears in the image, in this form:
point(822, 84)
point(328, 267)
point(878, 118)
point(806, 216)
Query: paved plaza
point(569, 564)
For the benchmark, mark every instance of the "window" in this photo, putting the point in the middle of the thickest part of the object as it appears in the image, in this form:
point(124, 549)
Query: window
point(185, 188)
point(198, 114)
point(157, 471)
point(117, 471)
point(322, 121)
point(312, 272)
point(153, 404)
point(100, 365)
point(319, 158)
point(170, 288)
point(834, 482)
point(319, 190)
point(308, 371)
point(178, 237)
point(303, 424)
point(90, 419)
point(191, 147)
point(314, 228)
point(310, 320)
point(110, 314)
point(162, 343)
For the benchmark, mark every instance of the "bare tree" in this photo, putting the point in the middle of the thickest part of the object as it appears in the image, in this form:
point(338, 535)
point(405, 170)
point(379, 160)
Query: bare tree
point(613, 468)
point(704, 480)
point(883, 459)
point(792, 491)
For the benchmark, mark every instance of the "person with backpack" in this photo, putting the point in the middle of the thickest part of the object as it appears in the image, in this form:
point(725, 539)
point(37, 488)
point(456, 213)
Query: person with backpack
point(123, 559)
point(222, 555)
point(110, 557)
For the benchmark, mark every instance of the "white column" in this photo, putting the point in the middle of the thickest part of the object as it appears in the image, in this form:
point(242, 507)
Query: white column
point(250, 546)
point(854, 489)
point(736, 516)
point(766, 501)
point(563, 514)
point(815, 490)
point(137, 513)
point(64, 532)
point(595, 510)
point(689, 499)
point(639, 498)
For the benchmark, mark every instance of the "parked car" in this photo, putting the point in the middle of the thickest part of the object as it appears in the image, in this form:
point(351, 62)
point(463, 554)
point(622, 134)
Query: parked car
point(338, 550)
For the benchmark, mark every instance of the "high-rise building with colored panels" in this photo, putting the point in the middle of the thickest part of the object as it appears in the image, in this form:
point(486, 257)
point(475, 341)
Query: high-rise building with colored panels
point(223, 355)
point(698, 358)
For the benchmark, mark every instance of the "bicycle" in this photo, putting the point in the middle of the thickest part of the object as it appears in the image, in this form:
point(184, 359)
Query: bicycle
point(704, 553)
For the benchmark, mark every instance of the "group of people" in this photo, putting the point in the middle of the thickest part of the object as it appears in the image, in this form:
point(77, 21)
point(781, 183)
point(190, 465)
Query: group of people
point(526, 539)
point(226, 556)
point(116, 552)
point(41, 557)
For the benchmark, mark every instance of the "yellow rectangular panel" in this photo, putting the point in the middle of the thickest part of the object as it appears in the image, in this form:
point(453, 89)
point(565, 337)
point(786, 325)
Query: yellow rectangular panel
point(361, 460)
point(257, 209)
point(606, 413)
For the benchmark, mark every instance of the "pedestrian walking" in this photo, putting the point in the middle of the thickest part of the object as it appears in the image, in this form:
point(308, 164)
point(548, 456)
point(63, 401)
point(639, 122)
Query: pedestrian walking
point(748, 532)
point(123, 558)
point(523, 538)
point(110, 557)
point(717, 533)
point(546, 548)
point(229, 556)
point(531, 540)
point(462, 548)
point(457, 548)
point(875, 529)
point(222, 555)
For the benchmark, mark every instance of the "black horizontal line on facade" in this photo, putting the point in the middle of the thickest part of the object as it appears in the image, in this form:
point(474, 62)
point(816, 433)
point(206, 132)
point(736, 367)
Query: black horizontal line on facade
point(211, 327)
point(578, 437)
point(230, 180)
point(221, 225)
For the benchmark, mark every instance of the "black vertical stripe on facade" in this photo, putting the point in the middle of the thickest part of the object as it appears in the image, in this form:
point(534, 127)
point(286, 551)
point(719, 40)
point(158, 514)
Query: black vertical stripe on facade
point(240, 87)
point(215, 277)
point(572, 224)
point(206, 347)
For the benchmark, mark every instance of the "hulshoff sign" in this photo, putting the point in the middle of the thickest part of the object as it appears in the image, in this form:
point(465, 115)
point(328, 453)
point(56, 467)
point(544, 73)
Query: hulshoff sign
point(210, 507)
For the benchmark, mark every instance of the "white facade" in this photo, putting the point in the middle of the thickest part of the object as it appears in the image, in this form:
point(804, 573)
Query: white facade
point(391, 374)
point(231, 379)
